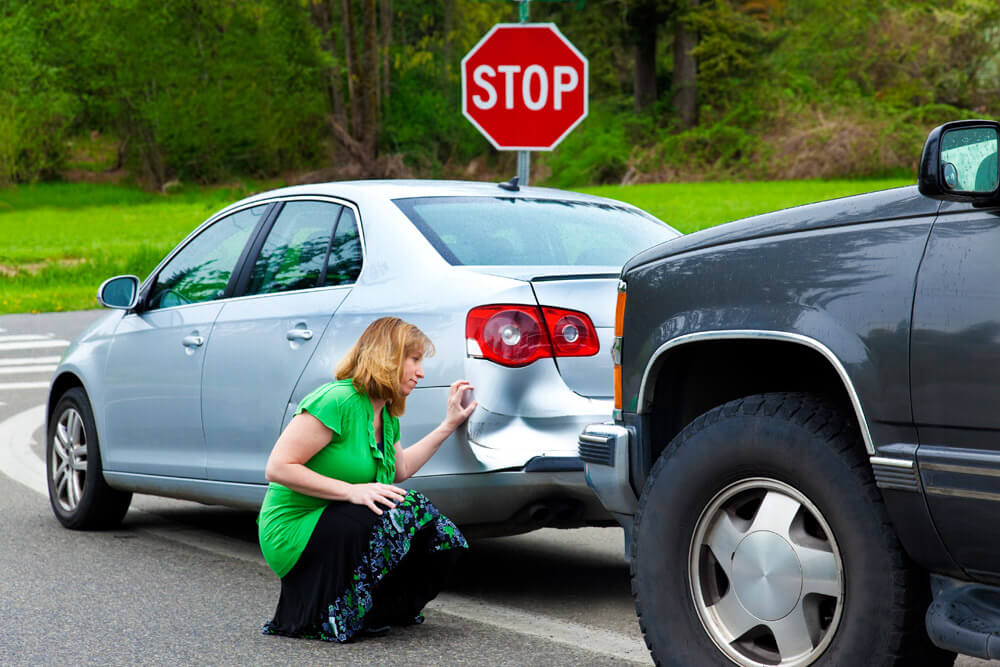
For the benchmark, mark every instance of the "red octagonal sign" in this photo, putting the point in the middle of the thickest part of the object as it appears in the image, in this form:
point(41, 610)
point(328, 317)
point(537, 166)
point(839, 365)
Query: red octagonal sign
point(524, 86)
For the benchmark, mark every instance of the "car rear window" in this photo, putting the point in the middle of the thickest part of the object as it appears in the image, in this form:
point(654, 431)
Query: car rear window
point(499, 231)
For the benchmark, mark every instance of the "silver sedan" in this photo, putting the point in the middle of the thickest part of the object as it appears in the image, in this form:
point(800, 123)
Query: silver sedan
point(183, 389)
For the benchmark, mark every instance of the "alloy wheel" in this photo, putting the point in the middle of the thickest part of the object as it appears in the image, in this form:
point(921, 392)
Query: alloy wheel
point(69, 460)
point(766, 575)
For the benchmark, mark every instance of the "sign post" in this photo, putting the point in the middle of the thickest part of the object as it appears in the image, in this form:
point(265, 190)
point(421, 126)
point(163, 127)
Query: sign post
point(524, 86)
point(524, 157)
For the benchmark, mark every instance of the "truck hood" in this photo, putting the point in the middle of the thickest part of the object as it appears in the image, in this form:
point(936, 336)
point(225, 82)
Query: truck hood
point(901, 202)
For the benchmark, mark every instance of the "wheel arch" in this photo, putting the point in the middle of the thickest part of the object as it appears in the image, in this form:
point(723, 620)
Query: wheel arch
point(718, 366)
point(60, 385)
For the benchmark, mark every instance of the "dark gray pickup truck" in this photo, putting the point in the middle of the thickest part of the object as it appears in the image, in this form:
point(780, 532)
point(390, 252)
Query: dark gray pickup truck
point(805, 453)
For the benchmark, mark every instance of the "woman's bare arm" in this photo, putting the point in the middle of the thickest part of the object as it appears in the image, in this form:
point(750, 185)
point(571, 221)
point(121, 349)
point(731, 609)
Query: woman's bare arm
point(300, 441)
point(411, 459)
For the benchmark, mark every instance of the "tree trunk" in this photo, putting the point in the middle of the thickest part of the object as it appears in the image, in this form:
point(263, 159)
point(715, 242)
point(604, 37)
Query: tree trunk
point(369, 81)
point(644, 81)
point(323, 16)
point(386, 55)
point(351, 58)
point(685, 76)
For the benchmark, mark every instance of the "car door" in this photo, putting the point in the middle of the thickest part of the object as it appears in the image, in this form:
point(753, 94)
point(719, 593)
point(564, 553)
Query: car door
point(262, 341)
point(955, 362)
point(152, 420)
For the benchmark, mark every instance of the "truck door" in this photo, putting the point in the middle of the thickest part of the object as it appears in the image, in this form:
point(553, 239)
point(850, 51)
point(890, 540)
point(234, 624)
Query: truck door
point(955, 374)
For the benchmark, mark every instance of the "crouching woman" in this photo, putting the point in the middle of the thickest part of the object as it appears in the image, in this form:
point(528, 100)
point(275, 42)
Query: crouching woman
point(355, 553)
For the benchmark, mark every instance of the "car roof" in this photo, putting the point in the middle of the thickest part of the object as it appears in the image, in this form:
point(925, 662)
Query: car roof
point(399, 189)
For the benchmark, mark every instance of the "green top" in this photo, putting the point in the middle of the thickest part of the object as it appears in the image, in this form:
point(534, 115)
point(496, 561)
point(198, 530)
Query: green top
point(287, 518)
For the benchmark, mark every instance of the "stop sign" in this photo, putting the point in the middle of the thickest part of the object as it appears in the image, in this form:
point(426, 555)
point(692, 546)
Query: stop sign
point(524, 86)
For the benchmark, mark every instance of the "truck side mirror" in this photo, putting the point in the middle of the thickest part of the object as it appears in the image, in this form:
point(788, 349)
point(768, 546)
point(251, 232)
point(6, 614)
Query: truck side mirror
point(960, 162)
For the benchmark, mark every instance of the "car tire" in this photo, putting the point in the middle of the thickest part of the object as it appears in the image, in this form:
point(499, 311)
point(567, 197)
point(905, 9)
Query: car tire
point(761, 538)
point(80, 497)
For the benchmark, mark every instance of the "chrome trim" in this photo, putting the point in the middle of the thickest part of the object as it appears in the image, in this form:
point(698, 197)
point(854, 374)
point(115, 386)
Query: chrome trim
point(892, 463)
point(755, 334)
point(965, 470)
point(977, 495)
point(596, 439)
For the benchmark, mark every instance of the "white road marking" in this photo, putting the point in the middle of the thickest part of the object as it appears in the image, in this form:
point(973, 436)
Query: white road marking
point(22, 337)
point(12, 370)
point(12, 386)
point(19, 462)
point(577, 635)
point(33, 345)
point(17, 361)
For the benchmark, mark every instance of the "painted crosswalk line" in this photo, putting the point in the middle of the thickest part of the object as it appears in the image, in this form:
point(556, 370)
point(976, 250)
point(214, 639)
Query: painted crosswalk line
point(33, 344)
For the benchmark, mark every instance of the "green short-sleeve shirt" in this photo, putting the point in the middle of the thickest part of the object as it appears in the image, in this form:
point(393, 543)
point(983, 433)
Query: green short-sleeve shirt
point(287, 518)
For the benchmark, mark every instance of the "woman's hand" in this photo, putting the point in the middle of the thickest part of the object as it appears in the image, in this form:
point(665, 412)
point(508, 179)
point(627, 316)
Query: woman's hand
point(457, 413)
point(375, 494)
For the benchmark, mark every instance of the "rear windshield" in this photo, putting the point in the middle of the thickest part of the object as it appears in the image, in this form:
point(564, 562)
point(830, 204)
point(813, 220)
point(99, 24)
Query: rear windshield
point(503, 231)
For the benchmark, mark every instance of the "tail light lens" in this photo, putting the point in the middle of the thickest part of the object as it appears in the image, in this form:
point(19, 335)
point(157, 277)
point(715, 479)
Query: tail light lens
point(572, 332)
point(517, 335)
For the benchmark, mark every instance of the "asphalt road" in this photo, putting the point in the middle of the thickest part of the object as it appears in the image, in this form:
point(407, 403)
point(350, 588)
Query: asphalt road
point(183, 583)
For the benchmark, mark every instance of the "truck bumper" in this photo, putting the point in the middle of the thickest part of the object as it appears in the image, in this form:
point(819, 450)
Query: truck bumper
point(604, 449)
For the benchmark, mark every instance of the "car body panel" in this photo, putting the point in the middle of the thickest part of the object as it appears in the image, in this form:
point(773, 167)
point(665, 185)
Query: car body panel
point(854, 305)
point(152, 401)
point(251, 368)
point(956, 362)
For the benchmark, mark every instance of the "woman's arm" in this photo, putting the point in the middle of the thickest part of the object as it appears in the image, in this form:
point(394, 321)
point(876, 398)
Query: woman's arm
point(411, 459)
point(300, 441)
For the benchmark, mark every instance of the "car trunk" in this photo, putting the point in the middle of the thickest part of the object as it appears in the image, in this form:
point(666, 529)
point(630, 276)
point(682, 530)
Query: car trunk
point(589, 289)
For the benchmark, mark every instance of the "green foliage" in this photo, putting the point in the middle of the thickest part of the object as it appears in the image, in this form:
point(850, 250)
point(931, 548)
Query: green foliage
point(598, 150)
point(688, 207)
point(59, 242)
point(206, 91)
point(36, 111)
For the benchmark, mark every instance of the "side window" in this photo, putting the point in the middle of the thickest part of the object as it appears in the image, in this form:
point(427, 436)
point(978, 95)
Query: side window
point(201, 270)
point(296, 248)
point(344, 264)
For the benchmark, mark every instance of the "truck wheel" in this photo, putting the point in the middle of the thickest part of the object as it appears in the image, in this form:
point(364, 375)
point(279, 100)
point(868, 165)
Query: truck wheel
point(80, 497)
point(761, 539)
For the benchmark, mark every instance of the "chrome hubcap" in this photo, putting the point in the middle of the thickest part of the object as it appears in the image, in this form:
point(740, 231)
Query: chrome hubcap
point(69, 460)
point(766, 575)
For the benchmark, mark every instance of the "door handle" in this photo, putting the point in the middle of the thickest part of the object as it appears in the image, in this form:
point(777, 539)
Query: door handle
point(299, 334)
point(193, 341)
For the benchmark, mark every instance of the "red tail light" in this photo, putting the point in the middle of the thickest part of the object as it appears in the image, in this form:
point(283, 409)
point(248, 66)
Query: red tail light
point(572, 332)
point(517, 335)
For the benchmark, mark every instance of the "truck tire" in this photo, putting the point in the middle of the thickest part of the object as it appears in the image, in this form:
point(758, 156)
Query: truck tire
point(761, 539)
point(80, 497)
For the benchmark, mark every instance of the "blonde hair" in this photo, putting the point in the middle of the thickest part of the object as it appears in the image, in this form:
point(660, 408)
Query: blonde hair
point(375, 362)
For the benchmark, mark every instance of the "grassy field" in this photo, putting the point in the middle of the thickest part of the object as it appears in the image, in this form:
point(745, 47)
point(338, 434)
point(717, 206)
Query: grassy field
point(58, 242)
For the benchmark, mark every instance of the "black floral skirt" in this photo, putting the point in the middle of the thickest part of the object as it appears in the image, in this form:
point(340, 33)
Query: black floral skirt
point(361, 570)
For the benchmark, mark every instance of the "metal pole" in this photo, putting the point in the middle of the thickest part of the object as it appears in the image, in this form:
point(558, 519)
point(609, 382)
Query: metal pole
point(524, 157)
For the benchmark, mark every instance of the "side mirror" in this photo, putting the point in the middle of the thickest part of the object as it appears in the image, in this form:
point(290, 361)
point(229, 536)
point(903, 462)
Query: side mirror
point(119, 292)
point(960, 162)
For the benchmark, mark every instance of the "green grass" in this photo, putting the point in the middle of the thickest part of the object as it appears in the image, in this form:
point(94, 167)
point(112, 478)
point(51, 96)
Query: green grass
point(689, 207)
point(58, 242)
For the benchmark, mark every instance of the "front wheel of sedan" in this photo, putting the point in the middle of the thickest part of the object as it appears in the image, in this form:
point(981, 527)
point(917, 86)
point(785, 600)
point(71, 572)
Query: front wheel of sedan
point(80, 497)
point(761, 539)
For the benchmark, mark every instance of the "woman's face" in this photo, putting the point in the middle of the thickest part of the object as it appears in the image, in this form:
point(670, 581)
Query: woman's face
point(413, 370)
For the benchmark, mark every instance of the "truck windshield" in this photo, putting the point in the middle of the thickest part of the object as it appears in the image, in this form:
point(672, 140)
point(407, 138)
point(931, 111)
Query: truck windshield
point(509, 231)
